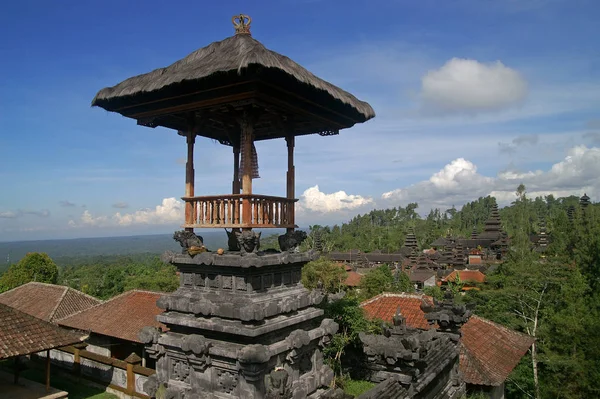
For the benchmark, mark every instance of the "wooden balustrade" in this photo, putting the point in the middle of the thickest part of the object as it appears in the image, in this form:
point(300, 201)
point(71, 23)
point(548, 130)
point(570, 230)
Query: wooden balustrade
point(228, 211)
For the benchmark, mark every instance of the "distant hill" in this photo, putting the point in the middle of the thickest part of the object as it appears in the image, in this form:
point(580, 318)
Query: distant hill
point(12, 252)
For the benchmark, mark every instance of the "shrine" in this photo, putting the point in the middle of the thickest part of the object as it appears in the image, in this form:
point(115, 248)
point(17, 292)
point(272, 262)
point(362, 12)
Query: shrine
point(241, 325)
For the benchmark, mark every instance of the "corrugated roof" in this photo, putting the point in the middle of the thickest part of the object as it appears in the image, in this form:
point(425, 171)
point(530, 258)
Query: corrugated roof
point(22, 334)
point(121, 317)
point(48, 302)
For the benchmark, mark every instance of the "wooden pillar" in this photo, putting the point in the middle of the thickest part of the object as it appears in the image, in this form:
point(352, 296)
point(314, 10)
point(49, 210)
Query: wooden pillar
point(189, 177)
point(48, 371)
point(130, 379)
point(236, 171)
point(246, 142)
point(291, 177)
point(76, 360)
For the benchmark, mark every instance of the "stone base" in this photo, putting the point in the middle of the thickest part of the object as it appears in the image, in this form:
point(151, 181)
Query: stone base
point(240, 327)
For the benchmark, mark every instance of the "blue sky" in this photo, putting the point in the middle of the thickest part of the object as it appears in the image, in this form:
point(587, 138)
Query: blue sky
point(472, 98)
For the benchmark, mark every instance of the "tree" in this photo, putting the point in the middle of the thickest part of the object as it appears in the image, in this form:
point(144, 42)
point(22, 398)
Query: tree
point(323, 273)
point(34, 266)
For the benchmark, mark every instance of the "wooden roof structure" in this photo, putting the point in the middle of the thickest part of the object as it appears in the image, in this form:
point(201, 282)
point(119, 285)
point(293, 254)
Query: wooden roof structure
point(212, 84)
point(237, 92)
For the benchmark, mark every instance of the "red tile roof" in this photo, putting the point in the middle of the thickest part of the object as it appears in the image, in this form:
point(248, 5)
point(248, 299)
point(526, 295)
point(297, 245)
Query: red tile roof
point(48, 302)
point(22, 334)
point(122, 316)
point(352, 279)
point(489, 351)
point(384, 307)
point(466, 276)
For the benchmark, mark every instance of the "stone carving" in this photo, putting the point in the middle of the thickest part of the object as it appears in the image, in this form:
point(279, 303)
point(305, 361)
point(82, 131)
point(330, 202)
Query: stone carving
point(278, 384)
point(256, 353)
point(195, 343)
point(448, 315)
point(151, 386)
point(291, 240)
point(297, 339)
point(189, 241)
point(149, 335)
point(227, 381)
point(180, 371)
point(248, 240)
point(232, 241)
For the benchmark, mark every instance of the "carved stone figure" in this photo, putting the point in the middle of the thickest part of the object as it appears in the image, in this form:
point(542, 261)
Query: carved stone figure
point(291, 240)
point(187, 240)
point(277, 384)
point(232, 241)
point(248, 240)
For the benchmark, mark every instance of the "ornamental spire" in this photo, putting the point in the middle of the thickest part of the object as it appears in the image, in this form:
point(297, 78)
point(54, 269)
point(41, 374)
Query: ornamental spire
point(242, 24)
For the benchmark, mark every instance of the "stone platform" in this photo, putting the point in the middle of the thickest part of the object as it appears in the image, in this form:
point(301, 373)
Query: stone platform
point(240, 326)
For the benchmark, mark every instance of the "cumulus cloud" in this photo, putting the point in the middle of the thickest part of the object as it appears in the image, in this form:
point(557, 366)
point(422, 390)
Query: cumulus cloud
point(469, 86)
point(459, 182)
point(314, 200)
point(120, 205)
point(66, 204)
point(170, 211)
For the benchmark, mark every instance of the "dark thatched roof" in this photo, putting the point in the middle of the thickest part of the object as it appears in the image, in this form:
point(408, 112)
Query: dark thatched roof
point(227, 63)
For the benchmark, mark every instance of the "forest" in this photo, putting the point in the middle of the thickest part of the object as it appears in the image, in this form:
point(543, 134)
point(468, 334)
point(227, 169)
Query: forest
point(552, 296)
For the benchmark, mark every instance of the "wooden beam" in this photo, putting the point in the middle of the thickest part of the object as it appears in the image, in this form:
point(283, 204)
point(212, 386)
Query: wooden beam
point(290, 178)
point(47, 371)
point(236, 188)
point(246, 132)
point(189, 175)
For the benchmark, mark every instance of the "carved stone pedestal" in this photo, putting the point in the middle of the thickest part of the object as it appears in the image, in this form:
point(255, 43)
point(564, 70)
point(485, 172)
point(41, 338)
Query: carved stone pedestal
point(240, 327)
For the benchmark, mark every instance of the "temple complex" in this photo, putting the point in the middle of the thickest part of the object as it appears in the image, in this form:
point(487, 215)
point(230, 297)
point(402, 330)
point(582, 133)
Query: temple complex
point(241, 325)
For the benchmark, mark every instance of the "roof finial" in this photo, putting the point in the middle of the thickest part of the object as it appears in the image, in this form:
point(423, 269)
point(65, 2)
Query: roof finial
point(242, 24)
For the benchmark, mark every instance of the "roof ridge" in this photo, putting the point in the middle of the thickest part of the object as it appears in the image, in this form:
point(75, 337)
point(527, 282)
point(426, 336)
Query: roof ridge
point(84, 294)
point(396, 295)
point(58, 303)
point(503, 328)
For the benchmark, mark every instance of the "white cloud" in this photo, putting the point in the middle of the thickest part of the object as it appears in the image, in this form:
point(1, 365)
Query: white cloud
point(316, 201)
point(469, 86)
point(459, 182)
point(170, 211)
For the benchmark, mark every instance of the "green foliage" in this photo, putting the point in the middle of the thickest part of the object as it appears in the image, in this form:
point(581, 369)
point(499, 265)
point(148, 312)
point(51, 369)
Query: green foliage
point(34, 266)
point(323, 273)
point(381, 279)
point(105, 277)
point(435, 292)
point(357, 387)
point(351, 320)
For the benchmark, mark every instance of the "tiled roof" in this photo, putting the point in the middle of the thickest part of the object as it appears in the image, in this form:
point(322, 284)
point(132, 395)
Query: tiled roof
point(489, 351)
point(421, 274)
point(466, 275)
point(48, 302)
point(384, 307)
point(122, 316)
point(353, 279)
point(22, 334)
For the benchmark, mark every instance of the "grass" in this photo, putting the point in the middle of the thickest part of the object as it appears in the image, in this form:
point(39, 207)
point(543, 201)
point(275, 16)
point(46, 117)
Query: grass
point(357, 387)
point(76, 390)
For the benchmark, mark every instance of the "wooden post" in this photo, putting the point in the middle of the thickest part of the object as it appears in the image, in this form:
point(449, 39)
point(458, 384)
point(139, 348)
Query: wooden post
point(236, 171)
point(291, 177)
point(189, 177)
point(246, 142)
point(47, 371)
point(76, 361)
point(130, 379)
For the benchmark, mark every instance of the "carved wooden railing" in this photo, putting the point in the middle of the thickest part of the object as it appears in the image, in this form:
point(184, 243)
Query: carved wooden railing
point(239, 211)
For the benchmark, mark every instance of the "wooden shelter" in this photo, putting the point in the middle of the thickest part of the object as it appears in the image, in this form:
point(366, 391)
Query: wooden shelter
point(22, 334)
point(236, 91)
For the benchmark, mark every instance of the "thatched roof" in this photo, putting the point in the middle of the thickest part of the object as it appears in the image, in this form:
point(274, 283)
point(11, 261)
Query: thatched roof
point(232, 61)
